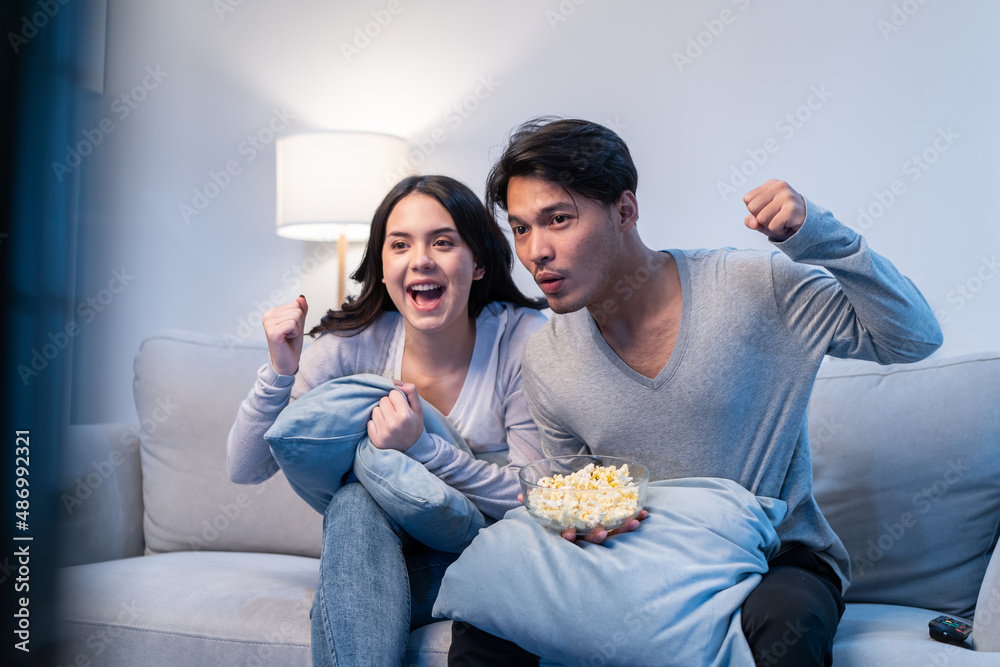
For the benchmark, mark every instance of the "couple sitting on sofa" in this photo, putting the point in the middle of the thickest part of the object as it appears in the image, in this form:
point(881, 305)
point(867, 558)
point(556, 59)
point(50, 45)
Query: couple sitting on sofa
point(699, 364)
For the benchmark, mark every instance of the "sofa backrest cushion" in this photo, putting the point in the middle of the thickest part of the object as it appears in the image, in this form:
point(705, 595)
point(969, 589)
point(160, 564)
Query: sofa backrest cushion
point(187, 390)
point(906, 463)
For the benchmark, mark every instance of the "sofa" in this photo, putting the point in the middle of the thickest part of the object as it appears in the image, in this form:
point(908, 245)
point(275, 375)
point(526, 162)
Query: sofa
point(166, 562)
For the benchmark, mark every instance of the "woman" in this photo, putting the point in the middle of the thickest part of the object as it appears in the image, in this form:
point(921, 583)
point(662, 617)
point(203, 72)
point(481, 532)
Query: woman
point(440, 314)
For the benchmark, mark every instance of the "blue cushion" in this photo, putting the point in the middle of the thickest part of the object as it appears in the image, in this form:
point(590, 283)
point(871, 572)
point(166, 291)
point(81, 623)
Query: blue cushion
point(428, 509)
point(319, 438)
point(668, 593)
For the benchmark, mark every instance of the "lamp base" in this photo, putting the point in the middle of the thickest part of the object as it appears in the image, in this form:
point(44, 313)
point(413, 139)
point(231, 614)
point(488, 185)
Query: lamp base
point(341, 270)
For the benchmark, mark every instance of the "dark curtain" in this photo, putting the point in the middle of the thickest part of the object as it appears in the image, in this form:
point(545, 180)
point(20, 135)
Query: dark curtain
point(37, 239)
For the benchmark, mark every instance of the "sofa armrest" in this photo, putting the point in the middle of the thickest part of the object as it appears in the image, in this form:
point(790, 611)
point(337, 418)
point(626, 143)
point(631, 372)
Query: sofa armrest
point(986, 626)
point(100, 499)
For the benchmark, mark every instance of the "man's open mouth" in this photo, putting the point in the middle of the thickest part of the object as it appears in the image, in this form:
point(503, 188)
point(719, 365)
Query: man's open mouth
point(426, 296)
point(550, 283)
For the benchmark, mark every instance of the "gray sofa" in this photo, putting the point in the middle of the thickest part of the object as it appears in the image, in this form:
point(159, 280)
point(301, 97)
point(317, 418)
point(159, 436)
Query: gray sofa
point(169, 563)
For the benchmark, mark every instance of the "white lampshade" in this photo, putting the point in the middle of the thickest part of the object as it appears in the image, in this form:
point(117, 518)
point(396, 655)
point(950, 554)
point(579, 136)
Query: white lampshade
point(330, 183)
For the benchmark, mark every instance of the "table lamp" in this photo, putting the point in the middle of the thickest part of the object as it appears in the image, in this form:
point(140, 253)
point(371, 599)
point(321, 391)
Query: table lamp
point(329, 185)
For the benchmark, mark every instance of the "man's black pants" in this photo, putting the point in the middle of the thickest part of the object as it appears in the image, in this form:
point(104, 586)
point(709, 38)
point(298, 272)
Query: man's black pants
point(789, 619)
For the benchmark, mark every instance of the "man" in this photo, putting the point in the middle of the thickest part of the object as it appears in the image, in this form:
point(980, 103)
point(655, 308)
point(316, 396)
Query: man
point(696, 363)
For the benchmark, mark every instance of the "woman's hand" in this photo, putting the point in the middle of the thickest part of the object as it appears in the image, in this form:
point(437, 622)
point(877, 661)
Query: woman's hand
point(283, 327)
point(397, 422)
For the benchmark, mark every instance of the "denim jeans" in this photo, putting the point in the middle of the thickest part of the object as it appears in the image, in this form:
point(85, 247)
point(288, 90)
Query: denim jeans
point(376, 583)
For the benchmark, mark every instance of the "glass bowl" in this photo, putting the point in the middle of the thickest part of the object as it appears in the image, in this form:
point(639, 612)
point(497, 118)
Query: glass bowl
point(587, 510)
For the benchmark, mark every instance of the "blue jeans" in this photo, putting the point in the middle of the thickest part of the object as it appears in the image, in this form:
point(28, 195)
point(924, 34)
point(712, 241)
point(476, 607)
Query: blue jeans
point(376, 583)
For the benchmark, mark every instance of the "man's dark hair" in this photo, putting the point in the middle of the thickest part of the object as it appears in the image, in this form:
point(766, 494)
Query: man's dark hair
point(583, 157)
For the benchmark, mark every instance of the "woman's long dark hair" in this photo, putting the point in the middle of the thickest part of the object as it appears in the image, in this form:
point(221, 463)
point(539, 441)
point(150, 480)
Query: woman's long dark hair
point(475, 225)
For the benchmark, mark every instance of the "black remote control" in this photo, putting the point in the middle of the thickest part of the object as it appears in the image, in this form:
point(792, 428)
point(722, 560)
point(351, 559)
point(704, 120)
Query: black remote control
point(949, 630)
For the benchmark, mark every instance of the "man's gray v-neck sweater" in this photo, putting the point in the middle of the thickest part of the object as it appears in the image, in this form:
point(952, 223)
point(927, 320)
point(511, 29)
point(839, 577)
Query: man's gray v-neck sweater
point(731, 400)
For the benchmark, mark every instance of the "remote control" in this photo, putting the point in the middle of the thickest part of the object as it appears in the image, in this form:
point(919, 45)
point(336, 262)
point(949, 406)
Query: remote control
point(949, 630)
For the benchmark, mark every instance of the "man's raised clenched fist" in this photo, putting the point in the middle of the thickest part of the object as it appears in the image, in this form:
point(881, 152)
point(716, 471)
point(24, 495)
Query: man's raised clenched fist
point(776, 210)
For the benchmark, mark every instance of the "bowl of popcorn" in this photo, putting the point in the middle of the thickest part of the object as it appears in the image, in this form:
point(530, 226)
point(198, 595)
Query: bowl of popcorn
point(584, 492)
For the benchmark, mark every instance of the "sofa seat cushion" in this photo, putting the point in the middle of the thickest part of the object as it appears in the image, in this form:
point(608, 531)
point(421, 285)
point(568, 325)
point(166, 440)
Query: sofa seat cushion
point(202, 609)
point(428, 646)
point(894, 636)
point(869, 634)
point(191, 608)
point(906, 462)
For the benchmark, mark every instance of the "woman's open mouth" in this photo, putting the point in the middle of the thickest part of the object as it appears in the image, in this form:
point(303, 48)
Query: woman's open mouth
point(426, 296)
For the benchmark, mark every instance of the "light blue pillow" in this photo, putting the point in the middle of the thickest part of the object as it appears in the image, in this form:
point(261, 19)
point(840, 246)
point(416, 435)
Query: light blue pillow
point(430, 510)
point(668, 593)
point(320, 437)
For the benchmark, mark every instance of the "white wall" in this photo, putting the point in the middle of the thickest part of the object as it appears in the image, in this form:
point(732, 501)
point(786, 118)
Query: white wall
point(886, 95)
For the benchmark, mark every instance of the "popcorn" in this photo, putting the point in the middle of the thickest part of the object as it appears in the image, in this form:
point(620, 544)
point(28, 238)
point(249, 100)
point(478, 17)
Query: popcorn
point(590, 496)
